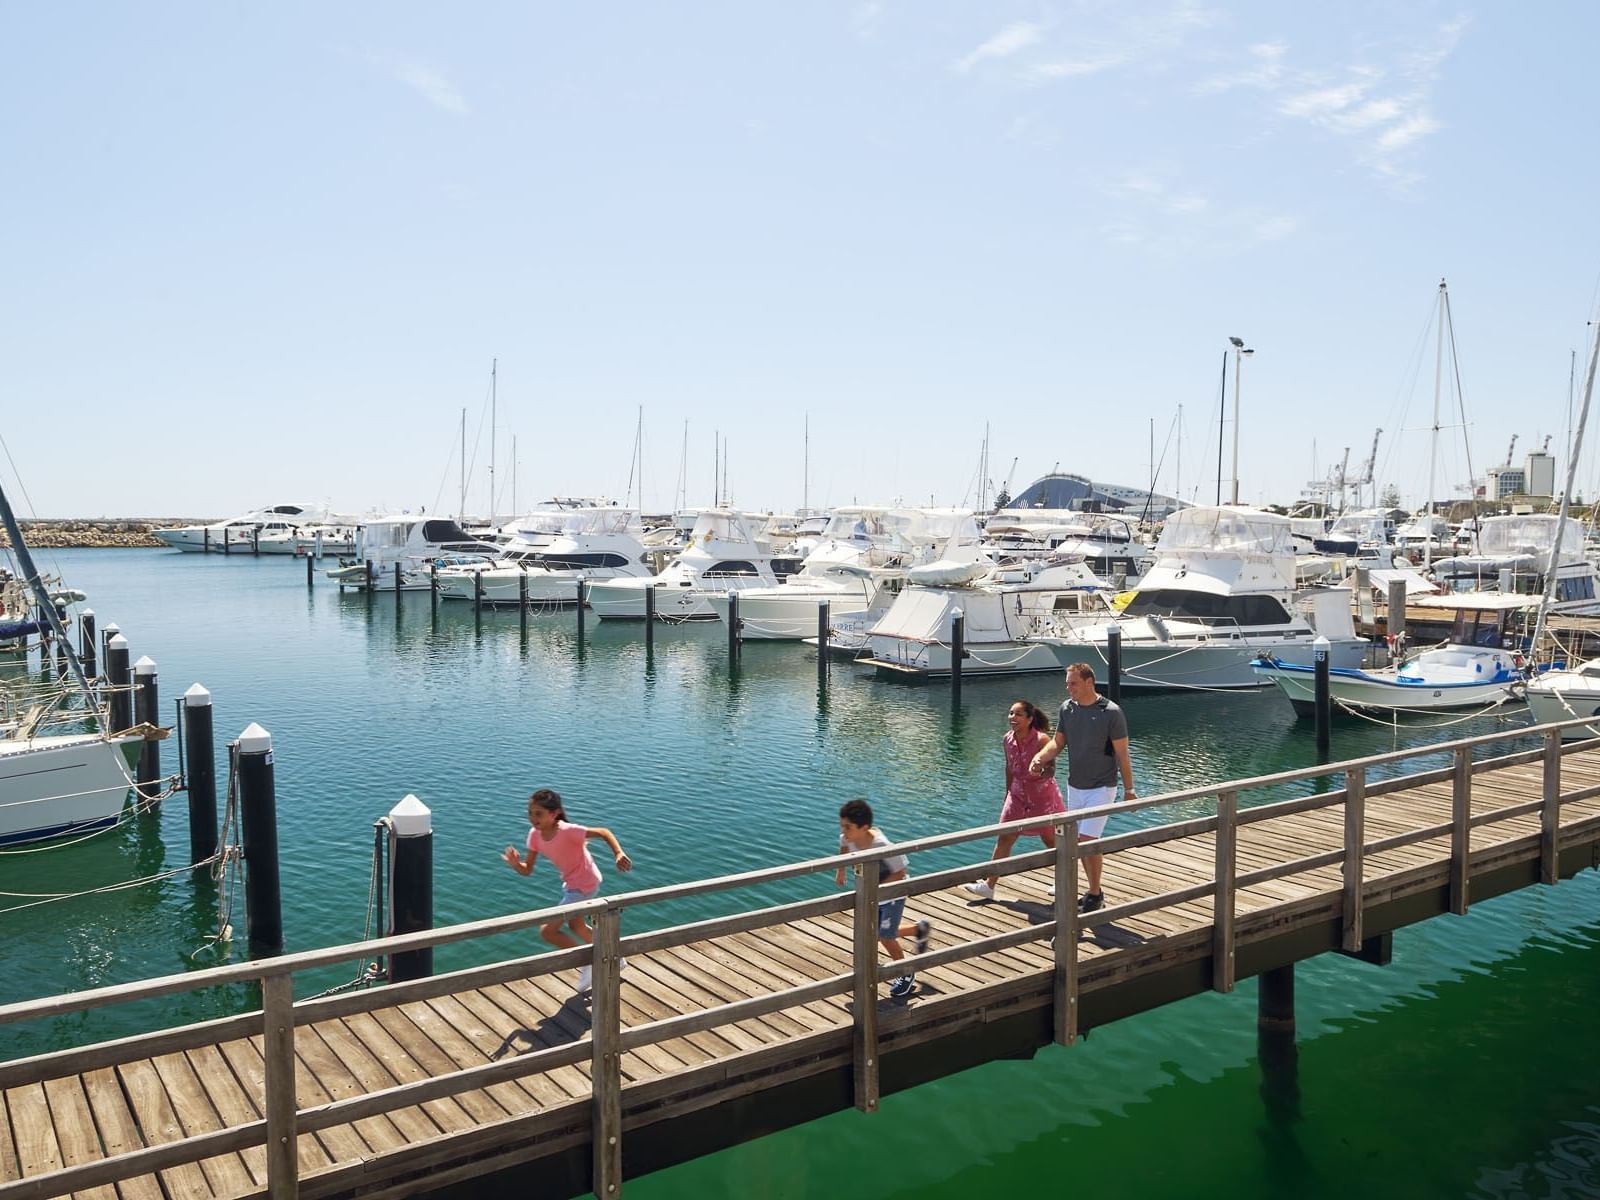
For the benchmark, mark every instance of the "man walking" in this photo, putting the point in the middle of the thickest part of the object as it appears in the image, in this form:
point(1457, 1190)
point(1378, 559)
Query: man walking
point(1094, 733)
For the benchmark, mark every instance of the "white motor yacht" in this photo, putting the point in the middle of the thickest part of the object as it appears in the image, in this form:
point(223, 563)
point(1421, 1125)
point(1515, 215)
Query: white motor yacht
point(239, 533)
point(1106, 543)
point(1222, 593)
point(1512, 554)
point(402, 551)
point(1565, 693)
point(721, 555)
point(593, 544)
point(1003, 606)
point(863, 550)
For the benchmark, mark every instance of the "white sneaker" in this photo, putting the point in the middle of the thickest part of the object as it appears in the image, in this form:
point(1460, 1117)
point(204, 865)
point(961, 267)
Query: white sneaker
point(585, 978)
point(981, 889)
point(1050, 892)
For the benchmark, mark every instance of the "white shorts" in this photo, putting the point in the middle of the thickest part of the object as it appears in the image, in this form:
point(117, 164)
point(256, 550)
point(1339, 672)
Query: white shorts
point(1090, 798)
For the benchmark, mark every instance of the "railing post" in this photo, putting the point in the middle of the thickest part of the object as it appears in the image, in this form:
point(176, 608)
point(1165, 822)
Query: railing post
point(1222, 944)
point(1460, 830)
point(606, 1052)
point(1066, 943)
point(1355, 837)
point(277, 1013)
point(865, 994)
point(1550, 814)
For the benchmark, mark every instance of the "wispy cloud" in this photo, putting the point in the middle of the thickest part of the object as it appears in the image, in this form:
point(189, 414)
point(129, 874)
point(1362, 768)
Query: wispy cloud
point(1014, 38)
point(427, 82)
point(864, 19)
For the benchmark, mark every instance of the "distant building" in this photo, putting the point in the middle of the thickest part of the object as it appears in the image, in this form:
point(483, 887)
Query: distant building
point(1062, 490)
point(1540, 474)
point(1506, 481)
point(1536, 477)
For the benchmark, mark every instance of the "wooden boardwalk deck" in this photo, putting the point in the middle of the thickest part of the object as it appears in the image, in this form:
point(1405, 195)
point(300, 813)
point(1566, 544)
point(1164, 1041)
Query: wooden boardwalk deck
point(721, 1030)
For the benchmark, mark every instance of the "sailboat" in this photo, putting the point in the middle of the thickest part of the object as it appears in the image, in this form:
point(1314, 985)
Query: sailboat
point(54, 783)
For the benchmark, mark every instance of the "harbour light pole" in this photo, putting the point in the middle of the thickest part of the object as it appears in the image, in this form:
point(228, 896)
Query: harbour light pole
point(1239, 352)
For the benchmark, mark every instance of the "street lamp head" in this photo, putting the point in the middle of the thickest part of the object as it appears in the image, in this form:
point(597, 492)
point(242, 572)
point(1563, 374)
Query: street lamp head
point(1237, 342)
point(1247, 351)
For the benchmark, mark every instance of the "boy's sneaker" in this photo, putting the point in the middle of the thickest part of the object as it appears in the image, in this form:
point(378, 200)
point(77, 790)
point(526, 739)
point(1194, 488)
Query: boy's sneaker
point(585, 978)
point(924, 931)
point(980, 888)
point(1090, 901)
point(902, 987)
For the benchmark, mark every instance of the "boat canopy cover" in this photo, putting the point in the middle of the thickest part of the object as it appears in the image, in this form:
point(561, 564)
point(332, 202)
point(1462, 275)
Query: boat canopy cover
point(1533, 533)
point(1243, 531)
point(603, 522)
point(1365, 526)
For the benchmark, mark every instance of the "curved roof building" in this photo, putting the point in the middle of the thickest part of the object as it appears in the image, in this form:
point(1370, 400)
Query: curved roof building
point(1060, 489)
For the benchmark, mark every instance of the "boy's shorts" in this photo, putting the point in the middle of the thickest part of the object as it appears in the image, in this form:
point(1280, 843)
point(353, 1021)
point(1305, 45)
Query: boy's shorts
point(889, 914)
point(573, 895)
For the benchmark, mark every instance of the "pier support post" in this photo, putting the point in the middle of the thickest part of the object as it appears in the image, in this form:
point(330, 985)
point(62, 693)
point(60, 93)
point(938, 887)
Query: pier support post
point(734, 640)
point(1395, 617)
point(583, 591)
point(86, 643)
point(522, 599)
point(649, 621)
point(1322, 698)
point(411, 898)
point(118, 677)
point(1114, 664)
point(205, 539)
point(605, 1063)
point(477, 593)
point(399, 586)
point(277, 1052)
point(864, 993)
point(824, 627)
point(1275, 1041)
point(227, 541)
point(202, 774)
point(255, 540)
point(311, 571)
point(1550, 810)
point(433, 591)
point(1065, 945)
point(958, 651)
point(258, 813)
point(147, 711)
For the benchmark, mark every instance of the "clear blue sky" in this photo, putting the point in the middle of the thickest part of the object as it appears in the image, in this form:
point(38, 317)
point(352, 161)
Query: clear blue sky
point(255, 253)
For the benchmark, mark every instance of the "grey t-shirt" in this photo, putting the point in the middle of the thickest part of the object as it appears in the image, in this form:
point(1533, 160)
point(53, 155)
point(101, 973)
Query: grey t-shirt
point(889, 864)
point(1090, 730)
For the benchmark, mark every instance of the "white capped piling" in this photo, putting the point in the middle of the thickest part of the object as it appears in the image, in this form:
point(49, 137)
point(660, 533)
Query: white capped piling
point(734, 639)
point(1395, 618)
point(119, 677)
point(316, 551)
point(147, 711)
point(201, 773)
point(1322, 699)
point(258, 820)
point(86, 642)
point(411, 896)
point(311, 570)
point(958, 651)
point(1114, 663)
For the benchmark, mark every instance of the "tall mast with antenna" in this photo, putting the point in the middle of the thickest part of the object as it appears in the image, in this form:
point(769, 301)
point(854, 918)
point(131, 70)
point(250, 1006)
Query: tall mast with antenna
point(1433, 450)
point(494, 378)
point(461, 513)
point(805, 472)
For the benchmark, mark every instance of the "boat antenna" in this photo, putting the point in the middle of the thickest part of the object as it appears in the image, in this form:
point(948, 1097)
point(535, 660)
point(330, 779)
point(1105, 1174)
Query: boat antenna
point(47, 605)
point(1566, 497)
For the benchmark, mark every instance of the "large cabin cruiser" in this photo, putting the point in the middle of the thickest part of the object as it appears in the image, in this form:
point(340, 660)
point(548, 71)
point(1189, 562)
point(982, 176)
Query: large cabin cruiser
point(1221, 593)
point(721, 555)
point(1105, 543)
point(242, 532)
point(1003, 607)
point(402, 551)
point(1512, 554)
point(593, 544)
point(862, 551)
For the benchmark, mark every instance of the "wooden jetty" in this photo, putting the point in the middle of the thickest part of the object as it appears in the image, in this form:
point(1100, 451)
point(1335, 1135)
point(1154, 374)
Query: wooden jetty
point(724, 1029)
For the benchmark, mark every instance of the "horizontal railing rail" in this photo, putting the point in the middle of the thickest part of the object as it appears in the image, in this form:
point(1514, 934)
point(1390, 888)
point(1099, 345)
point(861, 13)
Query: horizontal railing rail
point(283, 1120)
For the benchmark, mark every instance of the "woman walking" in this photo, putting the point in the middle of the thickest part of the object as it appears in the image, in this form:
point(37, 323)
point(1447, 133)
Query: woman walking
point(1027, 795)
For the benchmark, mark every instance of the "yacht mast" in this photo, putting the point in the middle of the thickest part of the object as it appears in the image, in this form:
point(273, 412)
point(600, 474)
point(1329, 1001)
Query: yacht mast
point(494, 373)
point(47, 606)
point(1433, 446)
point(805, 472)
point(683, 471)
point(461, 513)
point(513, 474)
point(1566, 497)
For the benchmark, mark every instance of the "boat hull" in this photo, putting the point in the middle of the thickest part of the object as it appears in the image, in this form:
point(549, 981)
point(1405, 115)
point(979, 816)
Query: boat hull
point(1221, 663)
point(1549, 701)
point(1359, 689)
point(623, 600)
point(788, 618)
point(51, 786)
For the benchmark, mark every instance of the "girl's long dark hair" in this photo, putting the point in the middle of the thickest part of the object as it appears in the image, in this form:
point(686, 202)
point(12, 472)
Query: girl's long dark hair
point(1036, 716)
point(549, 801)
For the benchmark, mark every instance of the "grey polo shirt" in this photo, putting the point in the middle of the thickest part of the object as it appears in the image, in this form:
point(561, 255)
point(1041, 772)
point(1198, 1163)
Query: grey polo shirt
point(1090, 730)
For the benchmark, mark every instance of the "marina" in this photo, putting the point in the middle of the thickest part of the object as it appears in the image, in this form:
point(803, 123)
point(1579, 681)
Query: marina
point(386, 659)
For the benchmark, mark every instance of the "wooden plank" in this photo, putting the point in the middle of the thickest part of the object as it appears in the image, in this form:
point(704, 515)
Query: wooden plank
point(1065, 951)
point(118, 1131)
point(227, 1174)
point(278, 1052)
point(451, 1114)
point(33, 1132)
point(414, 1123)
point(75, 1132)
point(147, 1099)
point(232, 1103)
point(532, 1093)
point(605, 1069)
point(243, 1056)
point(864, 996)
point(1550, 814)
point(1355, 826)
point(1222, 939)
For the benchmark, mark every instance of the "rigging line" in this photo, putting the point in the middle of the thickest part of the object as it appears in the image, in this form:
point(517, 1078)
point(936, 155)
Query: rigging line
point(1461, 398)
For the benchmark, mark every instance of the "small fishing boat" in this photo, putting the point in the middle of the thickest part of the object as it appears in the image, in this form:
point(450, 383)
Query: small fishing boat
point(1477, 667)
point(1565, 693)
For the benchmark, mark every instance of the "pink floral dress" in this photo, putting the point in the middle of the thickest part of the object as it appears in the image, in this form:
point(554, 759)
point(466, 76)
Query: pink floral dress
point(1029, 795)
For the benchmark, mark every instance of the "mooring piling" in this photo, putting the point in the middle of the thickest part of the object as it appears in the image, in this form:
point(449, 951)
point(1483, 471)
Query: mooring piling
point(86, 643)
point(433, 590)
point(202, 773)
point(398, 585)
point(1114, 664)
point(522, 600)
point(311, 571)
point(824, 627)
point(1275, 1040)
point(147, 711)
point(119, 677)
point(258, 819)
point(1395, 617)
point(582, 594)
point(411, 896)
point(1323, 700)
point(735, 641)
point(477, 591)
point(958, 651)
point(649, 620)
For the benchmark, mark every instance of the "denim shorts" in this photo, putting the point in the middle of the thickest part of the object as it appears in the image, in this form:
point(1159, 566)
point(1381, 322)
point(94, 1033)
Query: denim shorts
point(889, 914)
point(573, 895)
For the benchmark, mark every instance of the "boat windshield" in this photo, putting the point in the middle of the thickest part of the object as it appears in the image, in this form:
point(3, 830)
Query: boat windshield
point(1208, 608)
point(1237, 530)
point(1360, 527)
point(1531, 534)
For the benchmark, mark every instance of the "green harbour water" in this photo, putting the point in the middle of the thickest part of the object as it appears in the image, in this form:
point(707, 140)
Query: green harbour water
point(1470, 1066)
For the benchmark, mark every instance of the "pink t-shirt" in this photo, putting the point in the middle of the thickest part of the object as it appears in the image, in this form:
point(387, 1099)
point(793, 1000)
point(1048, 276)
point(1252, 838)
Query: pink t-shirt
point(569, 851)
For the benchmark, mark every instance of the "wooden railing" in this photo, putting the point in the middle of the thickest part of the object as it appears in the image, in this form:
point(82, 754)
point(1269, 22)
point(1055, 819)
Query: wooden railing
point(282, 1120)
